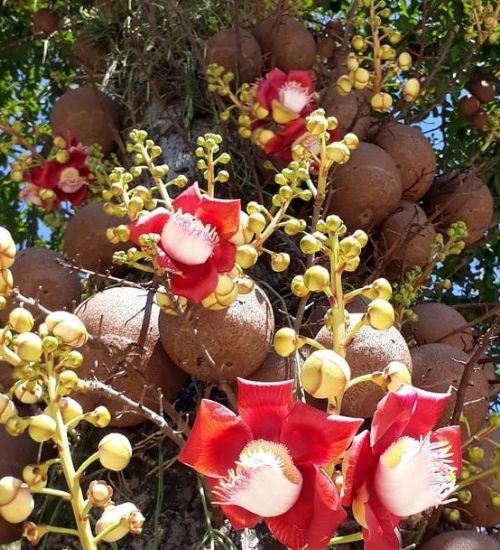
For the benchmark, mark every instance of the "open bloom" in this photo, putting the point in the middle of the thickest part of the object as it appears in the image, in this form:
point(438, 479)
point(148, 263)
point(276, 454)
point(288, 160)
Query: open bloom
point(68, 180)
point(286, 96)
point(401, 467)
point(265, 462)
point(194, 240)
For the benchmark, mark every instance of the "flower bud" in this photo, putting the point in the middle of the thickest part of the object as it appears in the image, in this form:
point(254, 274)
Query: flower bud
point(6, 282)
point(298, 287)
point(256, 222)
point(316, 278)
point(338, 152)
point(73, 360)
point(381, 102)
point(352, 62)
point(49, 343)
point(349, 247)
point(316, 124)
point(33, 533)
point(380, 314)
point(380, 288)
point(35, 476)
point(99, 493)
point(395, 374)
point(309, 244)
point(21, 320)
point(245, 285)
point(7, 409)
point(246, 256)
point(28, 346)
point(361, 78)
point(114, 452)
point(68, 379)
point(358, 42)
point(325, 374)
point(351, 140)
point(29, 392)
point(411, 90)
point(62, 156)
point(16, 500)
point(70, 409)
point(280, 261)
point(361, 237)
point(7, 249)
point(475, 454)
point(67, 327)
point(286, 341)
point(333, 223)
point(100, 417)
point(294, 226)
point(224, 294)
point(404, 61)
point(343, 85)
point(352, 264)
point(168, 304)
point(395, 38)
point(387, 52)
point(243, 235)
point(131, 521)
point(41, 427)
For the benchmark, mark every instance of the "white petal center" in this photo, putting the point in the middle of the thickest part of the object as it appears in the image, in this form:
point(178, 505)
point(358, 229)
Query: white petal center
point(186, 239)
point(293, 97)
point(265, 480)
point(414, 475)
point(70, 180)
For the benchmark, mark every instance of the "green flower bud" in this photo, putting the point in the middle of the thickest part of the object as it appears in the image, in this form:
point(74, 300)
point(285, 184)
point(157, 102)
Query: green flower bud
point(316, 278)
point(280, 261)
point(309, 244)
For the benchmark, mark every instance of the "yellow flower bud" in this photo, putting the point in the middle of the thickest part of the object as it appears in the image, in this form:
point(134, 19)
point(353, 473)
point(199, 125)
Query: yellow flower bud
point(7, 249)
point(286, 341)
point(170, 305)
point(404, 61)
point(333, 223)
point(351, 140)
point(49, 343)
point(350, 247)
point(29, 392)
point(16, 500)
point(380, 288)
point(114, 452)
point(316, 124)
point(381, 102)
point(7, 409)
point(352, 264)
point(131, 521)
point(358, 42)
point(338, 152)
point(59, 141)
point(224, 295)
point(245, 285)
point(6, 282)
point(21, 320)
point(293, 226)
point(387, 52)
point(380, 314)
point(99, 493)
point(395, 38)
point(316, 278)
point(243, 235)
point(361, 237)
point(309, 244)
point(325, 374)
point(28, 346)
point(73, 360)
point(280, 261)
point(41, 427)
point(246, 256)
point(298, 287)
point(395, 374)
point(68, 379)
point(62, 156)
point(67, 327)
point(70, 409)
point(256, 222)
point(343, 85)
point(100, 417)
point(35, 476)
point(361, 78)
point(411, 90)
point(352, 62)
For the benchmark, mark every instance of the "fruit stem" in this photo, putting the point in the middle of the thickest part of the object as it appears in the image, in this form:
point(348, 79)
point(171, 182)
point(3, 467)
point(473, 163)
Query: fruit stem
point(337, 300)
point(359, 380)
point(345, 539)
point(158, 181)
point(472, 479)
point(377, 67)
point(92, 458)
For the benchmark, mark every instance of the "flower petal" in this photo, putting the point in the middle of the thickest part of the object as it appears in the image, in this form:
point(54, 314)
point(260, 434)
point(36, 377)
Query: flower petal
point(152, 222)
point(392, 417)
point(189, 200)
point(281, 144)
point(216, 440)
point(304, 78)
point(264, 406)
point(312, 436)
point(358, 465)
point(195, 282)
point(428, 410)
point(222, 214)
point(224, 256)
point(267, 88)
point(451, 434)
point(75, 198)
point(315, 516)
point(381, 526)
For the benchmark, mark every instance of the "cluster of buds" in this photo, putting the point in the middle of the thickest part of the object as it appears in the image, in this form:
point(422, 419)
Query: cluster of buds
point(375, 64)
point(413, 285)
point(483, 22)
point(7, 257)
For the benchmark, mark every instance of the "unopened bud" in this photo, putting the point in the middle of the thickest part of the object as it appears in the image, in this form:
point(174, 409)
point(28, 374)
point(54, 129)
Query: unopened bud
point(325, 374)
point(343, 85)
point(298, 287)
point(7, 249)
point(16, 500)
point(256, 222)
point(309, 244)
point(6, 282)
point(316, 278)
point(361, 78)
point(28, 346)
point(286, 341)
point(411, 90)
point(7, 409)
point(42, 427)
point(29, 392)
point(100, 417)
point(114, 452)
point(35, 476)
point(381, 102)
point(395, 374)
point(280, 261)
point(338, 152)
point(246, 256)
point(129, 518)
point(380, 288)
point(67, 327)
point(244, 235)
point(380, 314)
point(70, 409)
point(404, 61)
point(21, 320)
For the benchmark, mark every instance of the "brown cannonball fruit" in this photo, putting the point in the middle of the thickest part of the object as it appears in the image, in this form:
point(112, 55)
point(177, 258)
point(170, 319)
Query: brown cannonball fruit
point(237, 338)
point(371, 350)
point(407, 236)
point(481, 121)
point(437, 367)
point(366, 189)
point(273, 369)
point(413, 155)
point(286, 43)
point(352, 111)
point(5, 377)
point(461, 540)
point(88, 53)
point(125, 352)
point(16, 453)
point(464, 198)
point(483, 90)
point(480, 510)
point(237, 51)
point(93, 117)
point(468, 105)
point(437, 324)
point(45, 22)
point(85, 241)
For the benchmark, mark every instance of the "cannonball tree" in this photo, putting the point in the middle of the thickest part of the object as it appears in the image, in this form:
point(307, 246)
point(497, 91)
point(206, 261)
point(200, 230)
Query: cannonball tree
point(249, 274)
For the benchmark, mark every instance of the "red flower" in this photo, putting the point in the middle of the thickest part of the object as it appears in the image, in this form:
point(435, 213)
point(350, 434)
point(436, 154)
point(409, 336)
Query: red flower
point(402, 467)
point(68, 180)
point(194, 240)
point(287, 96)
point(265, 463)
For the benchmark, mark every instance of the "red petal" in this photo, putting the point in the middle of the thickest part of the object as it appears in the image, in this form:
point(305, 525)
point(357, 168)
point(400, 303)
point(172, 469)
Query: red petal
point(216, 440)
point(195, 282)
point(304, 78)
point(224, 215)
point(315, 516)
point(452, 435)
point(75, 198)
point(152, 222)
point(392, 417)
point(359, 464)
point(189, 200)
point(264, 406)
point(428, 410)
point(281, 144)
point(381, 531)
point(224, 256)
point(77, 158)
point(267, 89)
point(315, 437)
